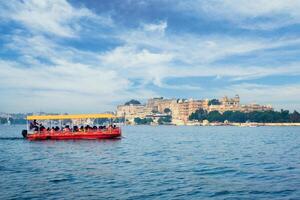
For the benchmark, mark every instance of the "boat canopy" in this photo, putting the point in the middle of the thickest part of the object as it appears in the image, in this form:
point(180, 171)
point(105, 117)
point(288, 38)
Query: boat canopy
point(72, 116)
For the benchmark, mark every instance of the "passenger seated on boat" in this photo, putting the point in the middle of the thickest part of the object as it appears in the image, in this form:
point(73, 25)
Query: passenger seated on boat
point(67, 128)
point(94, 128)
point(56, 128)
point(114, 126)
point(36, 128)
point(87, 128)
point(81, 129)
point(75, 128)
point(33, 125)
point(48, 129)
point(42, 128)
point(52, 130)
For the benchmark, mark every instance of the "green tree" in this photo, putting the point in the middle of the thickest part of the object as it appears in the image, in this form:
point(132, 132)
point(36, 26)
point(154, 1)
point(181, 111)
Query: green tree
point(228, 115)
point(214, 102)
point(165, 120)
point(295, 117)
point(215, 116)
point(142, 121)
point(167, 110)
point(285, 115)
point(17, 121)
point(154, 111)
point(199, 115)
point(137, 120)
point(149, 120)
point(3, 120)
point(119, 120)
point(255, 116)
point(238, 117)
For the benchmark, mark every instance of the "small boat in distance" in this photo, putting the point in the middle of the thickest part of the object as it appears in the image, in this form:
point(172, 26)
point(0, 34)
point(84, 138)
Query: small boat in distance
point(75, 126)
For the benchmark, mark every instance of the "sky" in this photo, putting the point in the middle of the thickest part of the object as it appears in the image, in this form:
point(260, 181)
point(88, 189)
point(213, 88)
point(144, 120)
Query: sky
point(82, 56)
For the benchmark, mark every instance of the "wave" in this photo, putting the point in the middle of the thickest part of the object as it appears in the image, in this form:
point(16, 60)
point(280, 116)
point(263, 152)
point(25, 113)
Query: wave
point(11, 138)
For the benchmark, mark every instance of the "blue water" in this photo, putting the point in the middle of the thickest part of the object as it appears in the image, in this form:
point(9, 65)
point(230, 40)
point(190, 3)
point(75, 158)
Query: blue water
point(163, 162)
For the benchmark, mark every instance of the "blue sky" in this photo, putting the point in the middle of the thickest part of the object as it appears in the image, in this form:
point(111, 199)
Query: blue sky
point(88, 56)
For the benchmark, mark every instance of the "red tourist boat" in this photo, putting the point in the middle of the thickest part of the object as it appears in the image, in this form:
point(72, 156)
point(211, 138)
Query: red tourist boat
point(37, 131)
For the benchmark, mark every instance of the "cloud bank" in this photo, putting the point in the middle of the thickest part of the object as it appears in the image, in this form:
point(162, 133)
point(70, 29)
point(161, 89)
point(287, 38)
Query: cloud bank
point(59, 56)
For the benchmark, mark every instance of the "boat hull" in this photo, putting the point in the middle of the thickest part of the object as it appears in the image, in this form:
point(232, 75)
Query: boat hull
point(88, 135)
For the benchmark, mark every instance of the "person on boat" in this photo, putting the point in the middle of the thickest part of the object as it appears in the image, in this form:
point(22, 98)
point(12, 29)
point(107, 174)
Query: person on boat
point(81, 129)
point(75, 128)
point(67, 128)
point(36, 129)
point(87, 128)
point(34, 125)
point(52, 130)
point(42, 128)
point(56, 128)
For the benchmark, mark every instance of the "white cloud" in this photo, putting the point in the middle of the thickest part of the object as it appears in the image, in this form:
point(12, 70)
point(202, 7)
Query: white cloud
point(159, 27)
point(64, 87)
point(50, 75)
point(259, 14)
point(56, 17)
point(129, 56)
point(34, 48)
point(137, 62)
point(248, 8)
point(203, 49)
point(183, 55)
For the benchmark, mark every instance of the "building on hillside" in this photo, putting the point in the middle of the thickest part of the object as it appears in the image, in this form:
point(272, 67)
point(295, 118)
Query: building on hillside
point(222, 108)
point(181, 109)
point(132, 111)
point(187, 107)
point(256, 107)
point(226, 104)
point(231, 102)
point(153, 103)
point(160, 104)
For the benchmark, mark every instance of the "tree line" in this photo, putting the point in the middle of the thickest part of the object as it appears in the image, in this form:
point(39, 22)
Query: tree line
point(148, 121)
point(242, 117)
point(12, 120)
point(143, 121)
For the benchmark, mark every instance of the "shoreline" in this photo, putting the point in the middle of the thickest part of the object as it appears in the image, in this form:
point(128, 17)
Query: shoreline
point(254, 124)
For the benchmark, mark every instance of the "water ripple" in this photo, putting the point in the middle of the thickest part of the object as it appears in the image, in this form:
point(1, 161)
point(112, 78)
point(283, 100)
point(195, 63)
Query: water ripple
point(155, 163)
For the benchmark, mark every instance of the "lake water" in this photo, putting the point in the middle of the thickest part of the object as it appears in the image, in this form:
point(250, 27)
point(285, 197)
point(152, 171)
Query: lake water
point(163, 162)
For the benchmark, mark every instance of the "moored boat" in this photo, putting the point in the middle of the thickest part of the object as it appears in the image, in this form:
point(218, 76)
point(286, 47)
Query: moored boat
point(37, 131)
